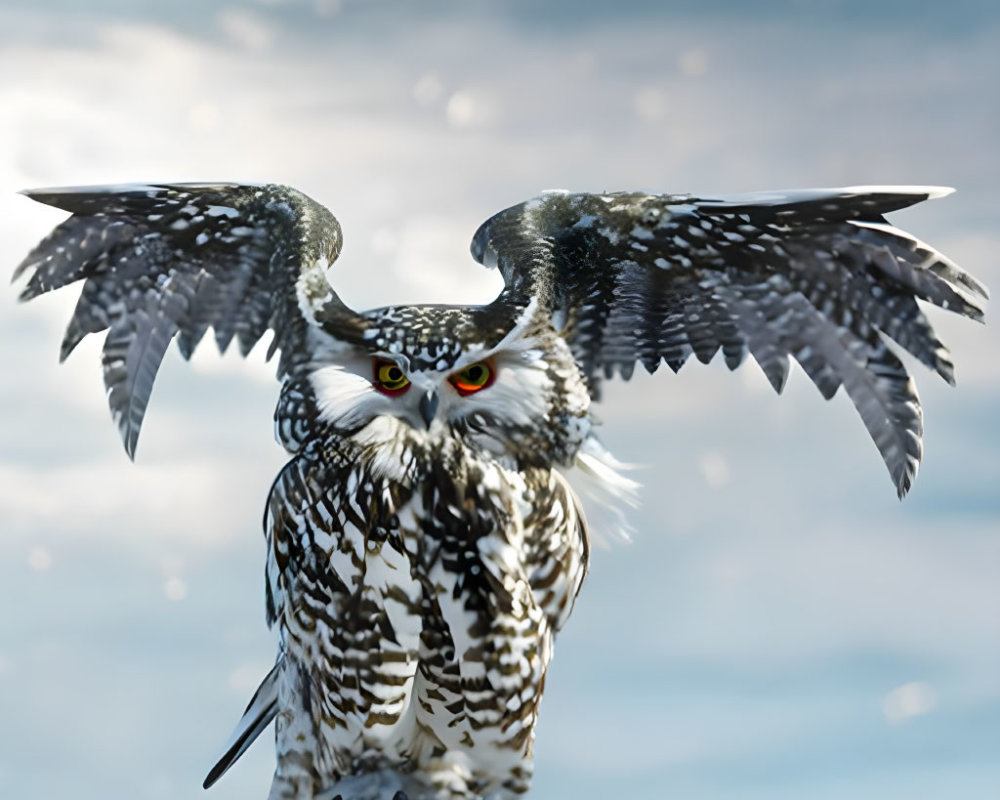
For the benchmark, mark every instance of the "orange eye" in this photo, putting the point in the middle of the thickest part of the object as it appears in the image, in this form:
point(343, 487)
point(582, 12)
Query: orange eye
point(473, 378)
point(389, 378)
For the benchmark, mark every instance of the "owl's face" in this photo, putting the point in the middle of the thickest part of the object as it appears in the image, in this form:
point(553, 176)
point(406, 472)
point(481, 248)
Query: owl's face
point(514, 397)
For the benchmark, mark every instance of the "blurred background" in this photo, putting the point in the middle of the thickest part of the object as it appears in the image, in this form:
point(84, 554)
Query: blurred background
point(780, 625)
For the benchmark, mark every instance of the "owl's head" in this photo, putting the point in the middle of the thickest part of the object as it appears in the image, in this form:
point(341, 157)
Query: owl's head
point(510, 387)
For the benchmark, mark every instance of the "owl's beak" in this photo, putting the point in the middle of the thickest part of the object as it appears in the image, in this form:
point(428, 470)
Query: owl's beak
point(429, 406)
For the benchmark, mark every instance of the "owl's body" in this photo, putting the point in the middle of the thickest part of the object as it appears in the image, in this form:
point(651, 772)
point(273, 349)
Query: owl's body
point(424, 544)
point(418, 574)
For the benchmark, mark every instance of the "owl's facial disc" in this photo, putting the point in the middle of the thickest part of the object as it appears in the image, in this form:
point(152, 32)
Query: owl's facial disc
point(476, 393)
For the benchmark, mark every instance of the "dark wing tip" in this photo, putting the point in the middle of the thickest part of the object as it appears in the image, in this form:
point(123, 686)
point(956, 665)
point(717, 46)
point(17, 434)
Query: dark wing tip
point(123, 413)
point(917, 192)
point(977, 287)
point(214, 774)
point(102, 197)
point(502, 226)
point(227, 759)
point(904, 482)
point(130, 441)
point(245, 737)
point(261, 710)
point(85, 199)
point(480, 247)
point(844, 202)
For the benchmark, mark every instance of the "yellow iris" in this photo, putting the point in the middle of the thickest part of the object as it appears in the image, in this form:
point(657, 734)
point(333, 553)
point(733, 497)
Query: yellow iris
point(473, 378)
point(389, 378)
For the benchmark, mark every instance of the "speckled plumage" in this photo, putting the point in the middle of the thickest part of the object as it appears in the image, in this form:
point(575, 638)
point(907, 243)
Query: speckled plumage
point(425, 545)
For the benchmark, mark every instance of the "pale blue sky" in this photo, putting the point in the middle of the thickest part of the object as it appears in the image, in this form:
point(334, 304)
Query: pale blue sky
point(780, 627)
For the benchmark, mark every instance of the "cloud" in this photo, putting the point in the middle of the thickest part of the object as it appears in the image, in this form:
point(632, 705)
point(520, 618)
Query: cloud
point(776, 594)
point(910, 700)
point(246, 28)
point(186, 499)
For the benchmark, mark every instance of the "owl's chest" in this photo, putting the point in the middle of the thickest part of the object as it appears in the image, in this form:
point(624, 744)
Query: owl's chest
point(420, 600)
point(486, 621)
point(491, 537)
point(497, 558)
point(371, 542)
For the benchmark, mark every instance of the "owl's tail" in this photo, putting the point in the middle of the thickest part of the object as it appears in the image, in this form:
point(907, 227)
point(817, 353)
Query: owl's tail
point(262, 709)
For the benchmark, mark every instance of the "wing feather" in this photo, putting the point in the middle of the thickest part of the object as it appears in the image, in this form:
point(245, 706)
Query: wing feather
point(165, 261)
point(260, 712)
point(818, 275)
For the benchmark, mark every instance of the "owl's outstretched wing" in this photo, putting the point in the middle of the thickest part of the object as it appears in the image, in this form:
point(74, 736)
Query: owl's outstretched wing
point(817, 275)
point(165, 260)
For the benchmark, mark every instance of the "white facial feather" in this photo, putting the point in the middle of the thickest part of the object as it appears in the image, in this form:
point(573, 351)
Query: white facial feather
point(518, 401)
point(345, 399)
point(342, 381)
point(518, 395)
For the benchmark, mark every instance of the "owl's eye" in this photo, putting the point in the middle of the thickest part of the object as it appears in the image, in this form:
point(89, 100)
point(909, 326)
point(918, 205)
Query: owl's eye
point(389, 378)
point(473, 378)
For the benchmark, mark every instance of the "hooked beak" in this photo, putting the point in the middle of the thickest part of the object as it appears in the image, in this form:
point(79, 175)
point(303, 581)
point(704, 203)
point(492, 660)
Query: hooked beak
point(429, 406)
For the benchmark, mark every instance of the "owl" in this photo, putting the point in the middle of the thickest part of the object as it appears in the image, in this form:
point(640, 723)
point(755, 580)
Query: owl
point(426, 539)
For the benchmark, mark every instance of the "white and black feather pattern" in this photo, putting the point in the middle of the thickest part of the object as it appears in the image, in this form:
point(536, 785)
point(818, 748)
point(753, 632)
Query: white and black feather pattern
point(818, 276)
point(416, 611)
point(166, 260)
point(426, 545)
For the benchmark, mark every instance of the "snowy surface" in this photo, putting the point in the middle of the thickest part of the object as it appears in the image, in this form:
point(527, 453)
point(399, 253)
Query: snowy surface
point(780, 627)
